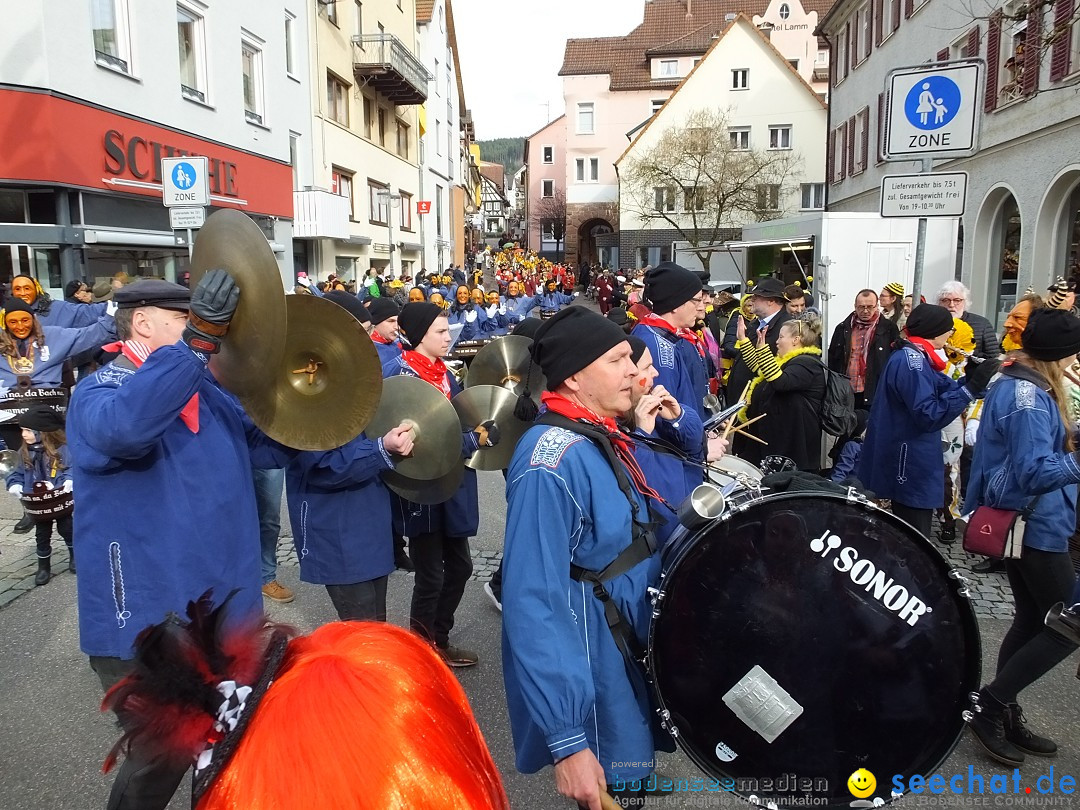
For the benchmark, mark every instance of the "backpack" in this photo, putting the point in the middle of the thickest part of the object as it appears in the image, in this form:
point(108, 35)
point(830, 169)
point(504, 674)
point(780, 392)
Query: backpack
point(837, 404)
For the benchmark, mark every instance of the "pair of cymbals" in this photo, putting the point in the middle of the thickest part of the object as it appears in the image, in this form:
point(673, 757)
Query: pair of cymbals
point(481, 403)
point(505, 362)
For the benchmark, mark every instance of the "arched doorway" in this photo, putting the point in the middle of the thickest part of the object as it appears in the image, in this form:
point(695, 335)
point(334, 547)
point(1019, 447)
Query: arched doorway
point(1057, 231)
point(995, 249)
point(586, 243)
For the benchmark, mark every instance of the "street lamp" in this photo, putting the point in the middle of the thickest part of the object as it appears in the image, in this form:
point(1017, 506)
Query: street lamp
point(391, 201)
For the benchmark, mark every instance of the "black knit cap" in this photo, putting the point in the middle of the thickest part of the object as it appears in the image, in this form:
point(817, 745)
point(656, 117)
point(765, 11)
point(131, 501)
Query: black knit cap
point(669, 286)
point(1051, 334)
point(637, 347)
point(351, 303)
point(17, 305)
point(383, 308)
point(572, 340)
point(41, 418)
point(416, 318)
point(929, 321)
point(153, 292)
point(618, 316)
point(527, 328)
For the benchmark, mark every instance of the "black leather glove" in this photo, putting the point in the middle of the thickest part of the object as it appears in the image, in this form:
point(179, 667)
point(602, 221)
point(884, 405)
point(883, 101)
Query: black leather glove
point(488, 433)
point(979, 374)
point(213, 304)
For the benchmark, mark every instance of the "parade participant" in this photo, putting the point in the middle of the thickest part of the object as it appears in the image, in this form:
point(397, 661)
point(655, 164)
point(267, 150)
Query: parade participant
point(621, 318)
point(605, 289)
point(363, 703)
point(786, 392)
point(464, 311)
point(384, 332)
point(901, 456)
point(477, 295)
point(1017, 320)
point(43, 459)
point(577, 503)
point(353, 305)
point(956, 298)
point(551, 300)
point(53, 313)
point(154, 427)
point(434, 285)
point(439, 535)
point(1062, 295)
point(861, 345)
point(497, 318)
point(795, 298)
point(677, 300)
point(767, 305)
point(892, 294)
point(438, 300)
point(417, 294)
point(1025, 460)
point(77, 292)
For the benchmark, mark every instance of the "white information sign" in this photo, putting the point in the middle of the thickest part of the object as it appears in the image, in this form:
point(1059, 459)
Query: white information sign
point(933, 111)
point(184, 218)
point(185, 181)
point(941, 194)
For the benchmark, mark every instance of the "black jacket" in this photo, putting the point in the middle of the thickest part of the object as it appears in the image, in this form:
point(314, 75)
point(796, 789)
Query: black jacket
point(740, 374)
point(881, 346)
point(986, 340)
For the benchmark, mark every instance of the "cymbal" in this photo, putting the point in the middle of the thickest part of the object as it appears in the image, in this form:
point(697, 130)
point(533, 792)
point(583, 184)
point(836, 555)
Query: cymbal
point(326, 386)
point(232, 241)
point(428, 493)
point(436, 432)
point(480, 403)
point(505, 362)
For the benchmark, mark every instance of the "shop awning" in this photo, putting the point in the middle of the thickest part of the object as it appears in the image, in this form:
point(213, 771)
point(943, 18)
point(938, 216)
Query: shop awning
point(411, 247)
point(794, 241)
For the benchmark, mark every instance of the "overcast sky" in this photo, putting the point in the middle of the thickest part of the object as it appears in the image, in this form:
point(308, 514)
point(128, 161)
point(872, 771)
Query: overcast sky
point(511, 52)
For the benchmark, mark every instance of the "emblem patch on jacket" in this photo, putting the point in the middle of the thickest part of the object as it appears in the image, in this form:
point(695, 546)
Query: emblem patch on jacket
point(111, 375)
point(1025, 394)
point(914, 359)
point(549, 450)
point(666, 350)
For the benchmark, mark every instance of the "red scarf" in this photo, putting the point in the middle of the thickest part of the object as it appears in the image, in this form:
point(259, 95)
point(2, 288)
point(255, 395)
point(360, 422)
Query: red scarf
point(685, 334)
point(137, 353)
point(624, 448)
point(937, 362)
point(430, 371)
point(375, 336)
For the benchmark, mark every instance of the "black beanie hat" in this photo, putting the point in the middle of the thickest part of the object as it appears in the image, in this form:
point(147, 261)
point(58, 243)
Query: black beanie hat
point(637, 347)
point(528, 327)
point(929, 321)
point(416, 318)
point(571, 340)
point(41, 418)
point(383, 308)
point(351, 303)
point(17, 305)
point(669, 286)
point(618, 315)
point(1051, 334)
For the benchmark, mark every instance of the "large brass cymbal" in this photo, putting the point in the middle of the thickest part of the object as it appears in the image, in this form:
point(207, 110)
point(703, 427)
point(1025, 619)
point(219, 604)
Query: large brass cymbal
point(324, 389)
point(436, 431)
point(428, 493)
point(232, 241)
point(505, 362)
point(481, 403)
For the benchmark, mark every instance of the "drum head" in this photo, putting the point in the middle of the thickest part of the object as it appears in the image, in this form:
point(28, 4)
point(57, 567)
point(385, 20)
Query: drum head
point(807, 637)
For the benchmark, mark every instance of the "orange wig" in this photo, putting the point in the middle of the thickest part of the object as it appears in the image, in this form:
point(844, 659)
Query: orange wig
point(361, 715)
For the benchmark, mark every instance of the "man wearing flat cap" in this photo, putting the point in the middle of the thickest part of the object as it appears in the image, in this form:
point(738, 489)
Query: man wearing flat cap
point(678, 300)
point(162, 459)
point(576, 503)
point(767, 302)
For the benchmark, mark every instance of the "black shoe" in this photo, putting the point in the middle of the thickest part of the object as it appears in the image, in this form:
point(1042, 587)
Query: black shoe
point(44, 571)
point(987, 720)
point(71, 559)
point(1017, 732)
point(458, 656)
point(989, 566)
point(402, 561)
point(947, 533)
point(25, 524)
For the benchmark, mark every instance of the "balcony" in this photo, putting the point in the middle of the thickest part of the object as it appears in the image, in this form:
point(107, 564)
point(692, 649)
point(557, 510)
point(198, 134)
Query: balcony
point(320, 214)
point(383, 63)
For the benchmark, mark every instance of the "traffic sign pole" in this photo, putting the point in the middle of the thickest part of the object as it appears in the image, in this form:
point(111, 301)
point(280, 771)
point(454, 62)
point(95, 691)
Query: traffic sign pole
point(920, 246)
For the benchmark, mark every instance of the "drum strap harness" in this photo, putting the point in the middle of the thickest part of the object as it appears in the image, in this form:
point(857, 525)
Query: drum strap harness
point(642, 546)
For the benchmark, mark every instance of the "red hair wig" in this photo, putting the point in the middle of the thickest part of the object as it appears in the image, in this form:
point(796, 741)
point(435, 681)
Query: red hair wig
point(361, 715)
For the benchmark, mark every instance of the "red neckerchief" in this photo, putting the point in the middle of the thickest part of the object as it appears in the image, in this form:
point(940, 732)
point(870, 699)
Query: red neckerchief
point(375, 336)
point(137, 353)
point(936, 361)
point(686, 334)
point(624, 448)
point(430, 371)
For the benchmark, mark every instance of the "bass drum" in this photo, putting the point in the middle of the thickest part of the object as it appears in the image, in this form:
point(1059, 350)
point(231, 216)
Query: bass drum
point(805, 636)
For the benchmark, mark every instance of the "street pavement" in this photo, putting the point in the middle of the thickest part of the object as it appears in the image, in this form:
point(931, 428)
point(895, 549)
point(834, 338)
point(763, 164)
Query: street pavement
point(53, 739)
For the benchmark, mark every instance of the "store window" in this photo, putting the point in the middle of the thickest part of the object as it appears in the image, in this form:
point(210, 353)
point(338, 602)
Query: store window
point(1006, 261)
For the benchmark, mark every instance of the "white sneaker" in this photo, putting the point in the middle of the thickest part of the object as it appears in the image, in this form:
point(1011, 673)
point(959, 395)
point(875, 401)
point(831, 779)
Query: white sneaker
point(491, 595)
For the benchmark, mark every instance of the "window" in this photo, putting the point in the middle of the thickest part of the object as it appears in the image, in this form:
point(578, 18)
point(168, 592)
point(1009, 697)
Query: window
point(547, 230)
point(822, 57)
point(837, 153)
point(108, 18)
point(341, 184)
point(403, 139)
point(435, 77)
point(329, 10)
point(664, 199)
point(967, 46)
point(587, 171)
point(251, 59)
point(378, 203)
point(669, 68)
point(406, 211)
point(813, 196)
point(840, 66)
point(548, 155)
point(547, 188)
point(740, 138)
point(191, 39)
point(794, 63)
point(369, 116)
point(862, 140)
point(780, 137)
point(337, 99)
point(290, 44)
point(580, 164)
point(585, 118)
point(438, 211)
point(358, 22)
point(382, 126)
point(768, 197)
point(438, 137)
point(294, 158)
point(891, 19)
point(740, 79)
point(693, 199)
point(657, 103)
point(866, 21)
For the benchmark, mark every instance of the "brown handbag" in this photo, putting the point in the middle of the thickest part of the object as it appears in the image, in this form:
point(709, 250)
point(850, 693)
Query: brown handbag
point(997, 533)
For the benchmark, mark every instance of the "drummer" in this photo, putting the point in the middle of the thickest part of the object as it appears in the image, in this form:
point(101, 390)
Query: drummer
point(551, 300)
point(464, 311)
point(572, 696)
point(498, 318)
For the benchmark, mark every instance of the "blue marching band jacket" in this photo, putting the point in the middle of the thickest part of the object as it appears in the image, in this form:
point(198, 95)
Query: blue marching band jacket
point(683, 371)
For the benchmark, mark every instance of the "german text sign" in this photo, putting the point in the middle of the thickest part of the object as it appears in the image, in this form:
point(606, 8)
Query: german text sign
point(941, 194)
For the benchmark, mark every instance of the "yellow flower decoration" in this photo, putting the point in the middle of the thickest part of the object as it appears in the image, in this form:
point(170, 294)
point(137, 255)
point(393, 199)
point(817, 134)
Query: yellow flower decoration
point(962, 338)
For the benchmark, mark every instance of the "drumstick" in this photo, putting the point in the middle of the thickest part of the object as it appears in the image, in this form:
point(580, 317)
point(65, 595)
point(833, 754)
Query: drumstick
point(606, 802)
point(752, 436)
point(749, 422)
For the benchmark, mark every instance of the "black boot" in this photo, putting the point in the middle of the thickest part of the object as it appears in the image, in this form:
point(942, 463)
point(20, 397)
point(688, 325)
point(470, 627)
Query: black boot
point(25, 524)
point(987, 720)
point(989, 566)
point(1017, 732)
point(402, 561)
point(947, 532)
point(71, 559)
point(44, 570)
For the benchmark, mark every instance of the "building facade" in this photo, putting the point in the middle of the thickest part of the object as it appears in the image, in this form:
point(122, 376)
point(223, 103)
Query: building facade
point(545, 188)
point(110, 88)
point(495, 207)
point(1021, 224)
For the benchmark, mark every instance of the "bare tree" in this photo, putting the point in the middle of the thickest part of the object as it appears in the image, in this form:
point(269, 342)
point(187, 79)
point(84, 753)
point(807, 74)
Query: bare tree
point(552, 211)
point(700, 178)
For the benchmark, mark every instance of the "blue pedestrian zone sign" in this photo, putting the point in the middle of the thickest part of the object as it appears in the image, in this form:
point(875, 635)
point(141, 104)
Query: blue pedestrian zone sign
point(933, 111)
point(932, 103)
point(183, 175)
point(185, 181)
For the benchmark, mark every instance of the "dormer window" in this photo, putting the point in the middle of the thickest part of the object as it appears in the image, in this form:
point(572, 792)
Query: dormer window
point(669, 68)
